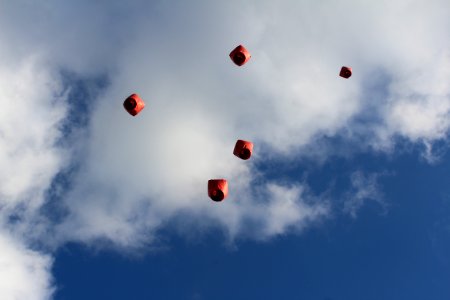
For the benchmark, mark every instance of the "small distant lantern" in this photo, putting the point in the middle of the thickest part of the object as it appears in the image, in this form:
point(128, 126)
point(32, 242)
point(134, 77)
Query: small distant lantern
point(243, 149)
point(346, 72)
point(217, 189)
point(133, 104)
point(240, 55)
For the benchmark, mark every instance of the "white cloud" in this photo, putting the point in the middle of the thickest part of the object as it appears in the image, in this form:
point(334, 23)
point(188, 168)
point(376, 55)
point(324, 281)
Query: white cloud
point(140, 172)
point(419, 104)
point(24, 274)
point(287, 208)
point(33, 104)
point(32, 107)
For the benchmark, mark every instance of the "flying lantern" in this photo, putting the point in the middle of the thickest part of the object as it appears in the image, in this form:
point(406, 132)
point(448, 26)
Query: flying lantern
point(243, 149)
point(346, 72)
point(217, 189)
point(240, 55)
point(133, 104)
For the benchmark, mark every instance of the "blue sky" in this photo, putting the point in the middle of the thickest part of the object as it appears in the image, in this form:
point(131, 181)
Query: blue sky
point(398, 254)
point(345, 197)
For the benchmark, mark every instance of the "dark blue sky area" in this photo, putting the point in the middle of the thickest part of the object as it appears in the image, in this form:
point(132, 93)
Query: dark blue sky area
point(403, 254)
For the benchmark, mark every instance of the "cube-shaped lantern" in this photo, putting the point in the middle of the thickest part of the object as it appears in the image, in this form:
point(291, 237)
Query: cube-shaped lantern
point(217, 189)
point(240, 55)
point(133, 104)
point(243, 149)
point(346, 72)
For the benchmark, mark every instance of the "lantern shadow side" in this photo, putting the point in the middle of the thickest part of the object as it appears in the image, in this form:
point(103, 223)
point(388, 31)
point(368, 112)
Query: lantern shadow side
point(130, 104)
point(245, 154)
point(239, 58)
point(217, 195)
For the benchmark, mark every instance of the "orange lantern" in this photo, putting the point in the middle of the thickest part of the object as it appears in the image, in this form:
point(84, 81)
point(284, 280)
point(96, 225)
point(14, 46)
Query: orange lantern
point(243, 149)
point(240, 55)
point(217, 189)
point(346, 72)
point(133, 104)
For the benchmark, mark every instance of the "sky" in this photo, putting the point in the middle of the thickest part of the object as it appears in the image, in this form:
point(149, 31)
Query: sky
point(345, 196)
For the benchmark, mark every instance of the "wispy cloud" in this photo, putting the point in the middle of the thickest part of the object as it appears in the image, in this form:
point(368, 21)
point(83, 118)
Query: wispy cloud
point(364, 187)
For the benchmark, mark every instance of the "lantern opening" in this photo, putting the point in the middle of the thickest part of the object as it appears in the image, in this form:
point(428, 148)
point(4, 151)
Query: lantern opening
point(217, 195)
point(239, 58)
point(245, 153)
point(130, 104)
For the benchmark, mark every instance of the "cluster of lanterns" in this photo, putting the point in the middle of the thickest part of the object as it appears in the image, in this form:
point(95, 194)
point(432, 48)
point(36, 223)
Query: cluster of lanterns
point(218, 188)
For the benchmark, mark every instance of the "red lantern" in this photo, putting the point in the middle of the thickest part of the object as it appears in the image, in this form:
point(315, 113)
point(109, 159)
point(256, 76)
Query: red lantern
point(240, 55)
point(133, 104)
point(346, 72)
point(217, 189)
point(243, 149)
